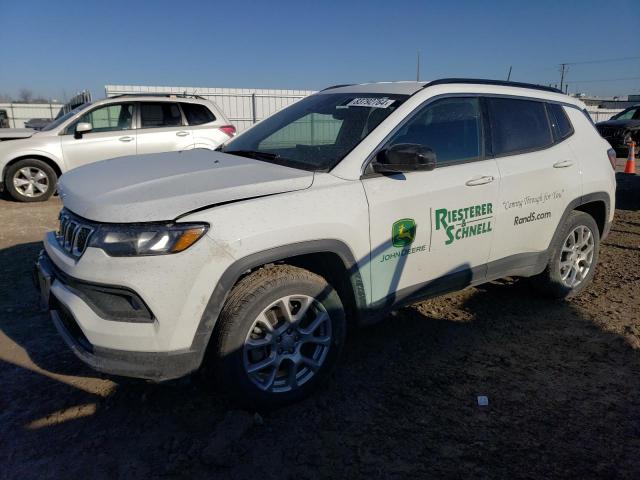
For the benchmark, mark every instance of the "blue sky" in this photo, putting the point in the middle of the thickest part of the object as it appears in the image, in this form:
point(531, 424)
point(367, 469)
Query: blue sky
point(58, 47)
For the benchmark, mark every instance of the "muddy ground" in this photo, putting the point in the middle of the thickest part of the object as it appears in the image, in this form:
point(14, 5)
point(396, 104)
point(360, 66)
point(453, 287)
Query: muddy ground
point(563, 381)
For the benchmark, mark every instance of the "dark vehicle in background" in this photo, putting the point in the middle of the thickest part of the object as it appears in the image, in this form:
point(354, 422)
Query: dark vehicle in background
point(4, 119)
point(37, 123)
point(621, 129)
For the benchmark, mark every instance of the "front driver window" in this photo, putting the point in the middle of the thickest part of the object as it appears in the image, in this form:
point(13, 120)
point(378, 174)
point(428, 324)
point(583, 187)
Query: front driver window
point(109, 118)
point(451, 127)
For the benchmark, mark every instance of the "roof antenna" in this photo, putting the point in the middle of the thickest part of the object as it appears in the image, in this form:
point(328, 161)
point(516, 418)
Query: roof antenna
point(509, 75)
point(418, 66)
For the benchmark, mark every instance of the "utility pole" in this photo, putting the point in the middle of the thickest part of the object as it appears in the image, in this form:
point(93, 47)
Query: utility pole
point(509, 75)
point(418, 66)
point(563, 68)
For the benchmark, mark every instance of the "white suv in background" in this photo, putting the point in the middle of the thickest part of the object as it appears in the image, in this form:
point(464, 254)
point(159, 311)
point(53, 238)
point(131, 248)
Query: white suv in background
point(351, 202)
point(31, 162)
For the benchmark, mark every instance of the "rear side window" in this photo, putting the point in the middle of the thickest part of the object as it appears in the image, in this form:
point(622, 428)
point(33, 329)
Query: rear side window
point(560, 124)
point(197, 114)
point(518, 125)
point(161, 114)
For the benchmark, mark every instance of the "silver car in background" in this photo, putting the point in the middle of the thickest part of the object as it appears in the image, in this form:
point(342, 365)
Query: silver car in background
point(31, 162)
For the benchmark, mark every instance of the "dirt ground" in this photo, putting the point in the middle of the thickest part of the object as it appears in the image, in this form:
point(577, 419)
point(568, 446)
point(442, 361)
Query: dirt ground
point(562, 378)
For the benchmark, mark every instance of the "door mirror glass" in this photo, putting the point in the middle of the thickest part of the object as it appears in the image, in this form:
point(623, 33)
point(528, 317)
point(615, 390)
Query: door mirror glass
point(405, 157)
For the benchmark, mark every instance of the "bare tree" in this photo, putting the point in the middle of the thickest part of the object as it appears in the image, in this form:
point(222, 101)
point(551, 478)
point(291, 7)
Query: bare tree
point(25, 95)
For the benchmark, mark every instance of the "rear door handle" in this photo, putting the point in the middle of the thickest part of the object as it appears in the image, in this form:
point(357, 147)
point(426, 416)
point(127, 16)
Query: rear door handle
point(479, 180)
point(563, 164)
point(125, 139)
point(182, 134)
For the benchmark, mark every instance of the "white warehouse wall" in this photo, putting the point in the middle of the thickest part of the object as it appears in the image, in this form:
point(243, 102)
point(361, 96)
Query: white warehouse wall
point(18, 113)
point(242, 106)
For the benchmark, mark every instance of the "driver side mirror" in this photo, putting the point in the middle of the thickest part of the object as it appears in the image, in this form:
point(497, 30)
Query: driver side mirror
point(405, 157)
point(81, 128)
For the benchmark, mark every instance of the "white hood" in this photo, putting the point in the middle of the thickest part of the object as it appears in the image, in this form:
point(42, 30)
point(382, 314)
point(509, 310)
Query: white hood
point(164, 186)
point(13, 133)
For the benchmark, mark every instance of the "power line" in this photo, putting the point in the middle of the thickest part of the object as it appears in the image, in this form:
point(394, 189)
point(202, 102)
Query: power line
point(605, 80)
point(607, 60)
point(564, 69)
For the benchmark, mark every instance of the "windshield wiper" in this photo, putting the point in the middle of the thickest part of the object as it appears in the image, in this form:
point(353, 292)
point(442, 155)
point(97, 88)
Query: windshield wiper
point(253, 154)
point(271, 158)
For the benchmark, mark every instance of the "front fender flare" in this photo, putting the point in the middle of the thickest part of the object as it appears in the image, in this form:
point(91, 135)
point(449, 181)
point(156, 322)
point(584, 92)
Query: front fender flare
point(235, 270)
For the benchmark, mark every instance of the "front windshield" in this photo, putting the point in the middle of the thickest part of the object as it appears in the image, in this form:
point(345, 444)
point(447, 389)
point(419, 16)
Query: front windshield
point(60, 120)
point(318, 131)
point(628, 114)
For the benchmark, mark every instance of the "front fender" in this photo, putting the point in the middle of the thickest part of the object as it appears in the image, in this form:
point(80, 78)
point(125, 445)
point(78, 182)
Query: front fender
point(12, 152)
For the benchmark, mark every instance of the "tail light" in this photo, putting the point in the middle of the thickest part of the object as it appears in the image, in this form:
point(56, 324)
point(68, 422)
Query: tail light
point(228, 129)
point(611, 153)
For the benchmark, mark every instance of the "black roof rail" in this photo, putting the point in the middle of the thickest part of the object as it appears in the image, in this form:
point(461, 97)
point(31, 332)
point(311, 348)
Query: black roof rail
point(151, 94)
point(337, 86)
point(485, 81)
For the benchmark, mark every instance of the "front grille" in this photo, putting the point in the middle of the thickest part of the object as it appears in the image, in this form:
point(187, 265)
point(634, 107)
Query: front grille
point(610, 132)
point(73, 234)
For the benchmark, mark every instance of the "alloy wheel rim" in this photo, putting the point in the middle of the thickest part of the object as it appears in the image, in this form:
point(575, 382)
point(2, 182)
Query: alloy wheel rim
point(287, 343)
point(31, 182)
point(576, 257)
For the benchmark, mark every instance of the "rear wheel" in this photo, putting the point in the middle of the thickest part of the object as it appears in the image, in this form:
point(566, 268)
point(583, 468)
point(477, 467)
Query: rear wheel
point(279, 335)
point(573, 261)
point(30, 180)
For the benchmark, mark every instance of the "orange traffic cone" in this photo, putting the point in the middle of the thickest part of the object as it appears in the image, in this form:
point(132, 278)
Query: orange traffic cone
point(630, 167)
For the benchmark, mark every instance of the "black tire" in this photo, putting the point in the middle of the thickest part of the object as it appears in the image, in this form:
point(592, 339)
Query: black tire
point(550, 282)
point(253, 294)
point(35, 165)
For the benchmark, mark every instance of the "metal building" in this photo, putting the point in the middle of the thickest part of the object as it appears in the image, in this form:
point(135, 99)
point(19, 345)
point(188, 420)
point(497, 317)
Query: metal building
point(242, 106)
point(18, 113)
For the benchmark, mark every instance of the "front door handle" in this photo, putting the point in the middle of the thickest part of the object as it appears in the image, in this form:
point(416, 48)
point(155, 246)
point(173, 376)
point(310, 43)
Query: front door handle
point(125, 139)
point(479, 180)
point(563, 164)
point(182, 134)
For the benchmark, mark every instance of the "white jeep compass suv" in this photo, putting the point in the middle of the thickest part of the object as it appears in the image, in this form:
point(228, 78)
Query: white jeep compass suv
point(351, 202)
point(31, 161)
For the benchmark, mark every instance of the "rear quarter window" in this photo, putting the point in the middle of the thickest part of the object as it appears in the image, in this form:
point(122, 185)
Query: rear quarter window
point(197, 114)
point(518, 126)
point(560, 124)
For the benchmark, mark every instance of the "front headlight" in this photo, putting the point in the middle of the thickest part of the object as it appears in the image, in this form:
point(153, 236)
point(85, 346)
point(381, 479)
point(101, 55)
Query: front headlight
point(146, 239)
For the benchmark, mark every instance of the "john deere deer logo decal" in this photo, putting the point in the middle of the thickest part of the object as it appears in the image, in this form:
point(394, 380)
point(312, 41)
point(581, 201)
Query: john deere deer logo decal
point(403, 232)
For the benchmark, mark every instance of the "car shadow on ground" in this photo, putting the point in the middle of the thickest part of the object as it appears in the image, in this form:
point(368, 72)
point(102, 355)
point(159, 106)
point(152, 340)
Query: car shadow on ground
point(563, 398)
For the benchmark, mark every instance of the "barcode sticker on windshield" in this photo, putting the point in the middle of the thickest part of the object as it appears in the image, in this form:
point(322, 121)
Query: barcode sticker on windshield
point(381, 102)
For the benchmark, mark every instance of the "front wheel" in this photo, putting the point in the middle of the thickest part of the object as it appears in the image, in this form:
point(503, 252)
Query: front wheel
point(279, 336)
point(30, 180)
point(574, 257)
